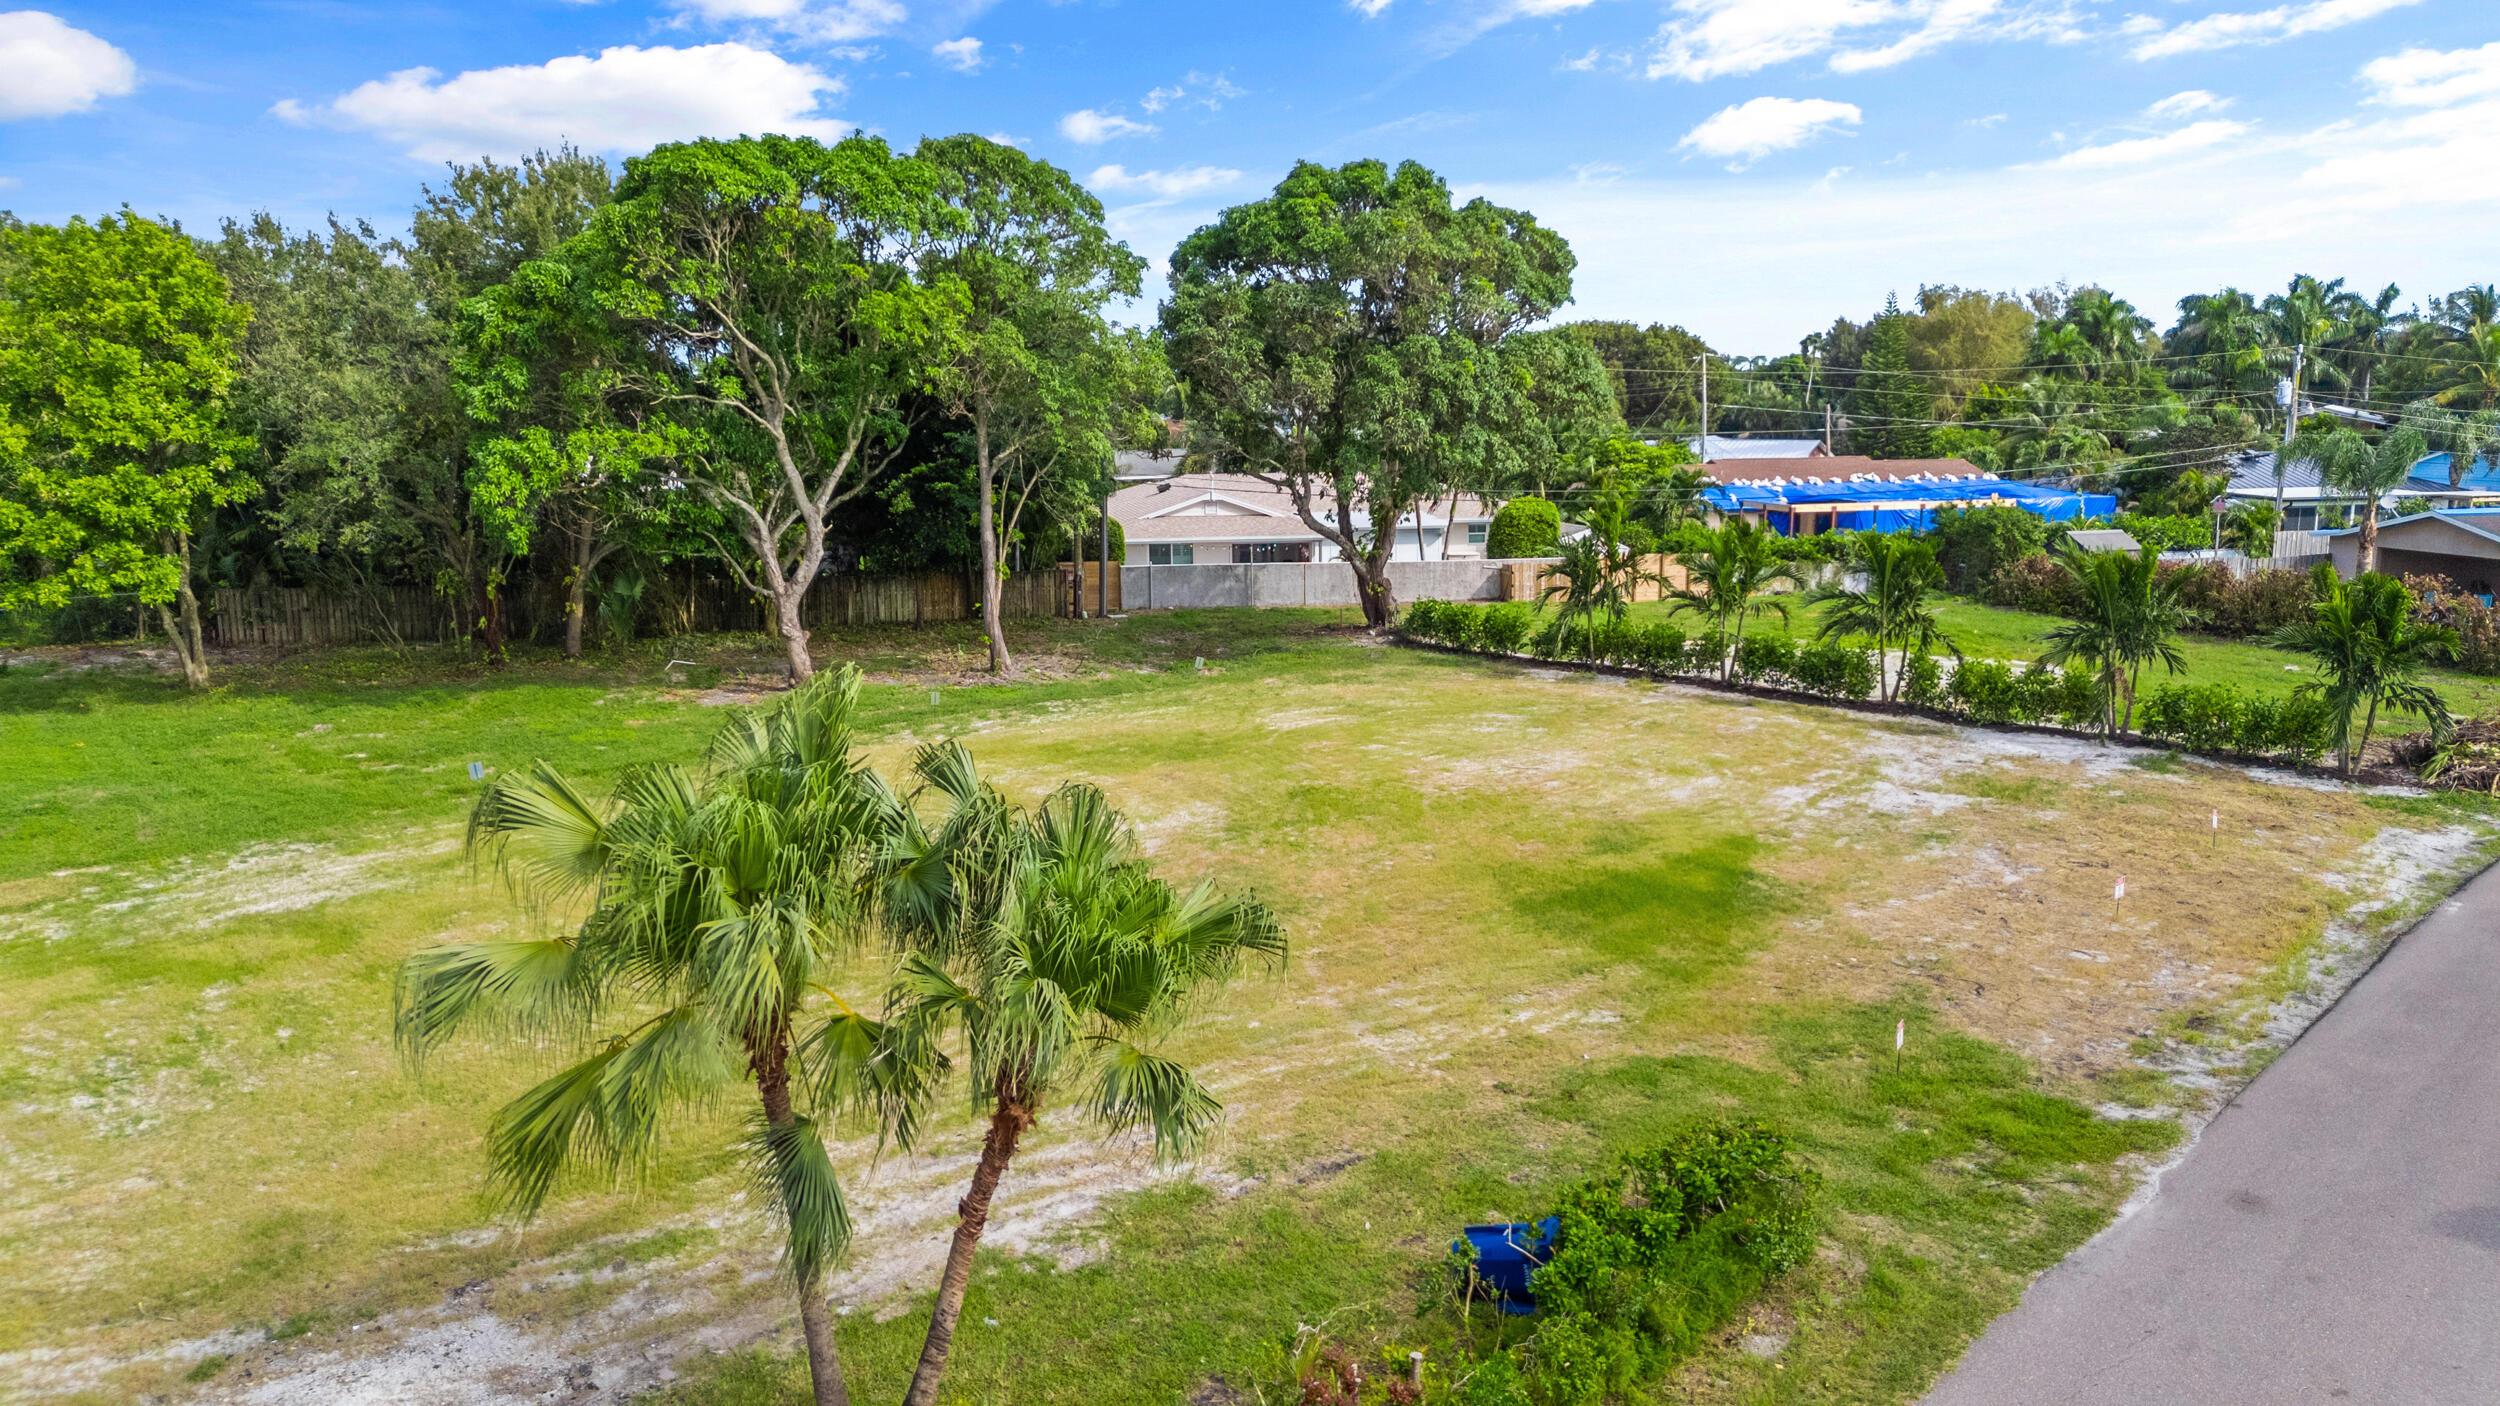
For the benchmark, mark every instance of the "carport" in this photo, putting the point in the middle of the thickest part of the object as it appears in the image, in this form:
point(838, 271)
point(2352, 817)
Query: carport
point(2462, 544)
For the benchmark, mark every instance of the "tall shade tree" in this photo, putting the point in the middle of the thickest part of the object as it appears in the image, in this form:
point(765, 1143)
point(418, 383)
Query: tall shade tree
point(1029, 269)
point(2348, 460)
point(562, 447)
point(1727, 580)
point(2130, 616)
point(764, 286)
point(1890, 408)
point(1896, 608)
point(117, 353)
point(1347, 339)
point(1042, 949)
point(720, 897)
point(2372, 651)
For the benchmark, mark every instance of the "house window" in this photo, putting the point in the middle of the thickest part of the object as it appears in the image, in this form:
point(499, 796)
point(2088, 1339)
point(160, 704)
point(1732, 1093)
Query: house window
point(1476, 533)
point(1172, 554)
point(1245, 552)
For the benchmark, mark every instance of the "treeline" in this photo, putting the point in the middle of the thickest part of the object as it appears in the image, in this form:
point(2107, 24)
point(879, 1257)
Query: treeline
point(2078, 383)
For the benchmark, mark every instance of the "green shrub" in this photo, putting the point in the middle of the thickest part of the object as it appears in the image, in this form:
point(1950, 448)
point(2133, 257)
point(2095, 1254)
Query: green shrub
point(2239, 606)
point(1659, 649)
point(1971, 543)
point(1524, 527)
point(1660, 1251)
point(2199, 717)
point(1425, 620)
point(1922, 682)
point(1983, 690)
point(1555, 639)
point(1639, 541)
point(2163, 533)
point(1705, 653)
point(1495, 1382)
point(2035, 583)
point(1766, 658)
point(1504, 628)
point(1835, 670)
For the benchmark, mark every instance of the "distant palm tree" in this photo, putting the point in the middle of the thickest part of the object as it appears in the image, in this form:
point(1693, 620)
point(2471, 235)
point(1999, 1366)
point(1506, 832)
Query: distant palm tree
point(1043, 950)
point(2474, 369)
point(1722, 581)
point(2372, 652)
point(1896, 606)
point(720, 896)
point(2250, 527)
point(2131, 616)
point(2366, 324)
point(1593, 581)
point(2346, 459)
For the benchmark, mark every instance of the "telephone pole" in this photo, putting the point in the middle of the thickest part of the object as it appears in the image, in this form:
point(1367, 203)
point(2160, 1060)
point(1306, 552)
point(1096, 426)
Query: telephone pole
point(1704, 359)
point(2291, 421)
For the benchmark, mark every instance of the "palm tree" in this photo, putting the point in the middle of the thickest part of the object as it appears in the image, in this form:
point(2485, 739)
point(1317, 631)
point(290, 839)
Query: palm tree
point(717, 895)
point(1895, 606)
point(2131, 616)
point(1722, 580)
point(2372, 652)
point(2366, 323)
point(2250, 527)
point(1594, 580)
point(1046, 951)
point(2349, 461)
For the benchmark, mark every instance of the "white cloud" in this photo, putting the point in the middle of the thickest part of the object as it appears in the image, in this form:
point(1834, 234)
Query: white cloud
point(814, 21)
point(1087, 127)
point(1368, 9)
point(1208, 90)
point(2229, 30)
point(2430, 78)
point(625, 99)
point(2187, 104)
point(48, 69)
point(1752, 130)
point(1169, 185)
point(2136, 151)
point(963, 55)
point(1719, 38)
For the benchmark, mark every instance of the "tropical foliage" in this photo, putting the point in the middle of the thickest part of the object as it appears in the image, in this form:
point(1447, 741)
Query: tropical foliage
point(1896, 605)
point(2372, 651)
point(1729, 577)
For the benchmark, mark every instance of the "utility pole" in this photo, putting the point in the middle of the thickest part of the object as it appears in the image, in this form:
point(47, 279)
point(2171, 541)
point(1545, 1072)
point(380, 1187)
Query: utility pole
point(1704, 359)
point(2291, 420)
point(1827, 429)
point(1102, 580)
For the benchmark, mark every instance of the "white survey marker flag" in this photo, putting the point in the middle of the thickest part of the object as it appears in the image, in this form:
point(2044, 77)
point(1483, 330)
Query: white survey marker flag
point(1900, 1032)
point(2122, 889)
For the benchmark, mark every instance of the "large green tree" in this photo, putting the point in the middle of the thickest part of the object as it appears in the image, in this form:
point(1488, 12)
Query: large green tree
point(1033, 369)
point(2351, 461)
point(1349, 340)
point(764, 290)
point(1891, 412)
point(117, 353)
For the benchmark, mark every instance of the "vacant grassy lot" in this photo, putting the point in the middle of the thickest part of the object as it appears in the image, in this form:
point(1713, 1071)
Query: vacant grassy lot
point(1537, 916)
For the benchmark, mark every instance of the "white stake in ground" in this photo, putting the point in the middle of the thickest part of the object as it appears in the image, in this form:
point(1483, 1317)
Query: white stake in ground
point(1900, 1033)
point(2216, 841)
point(2117, 896)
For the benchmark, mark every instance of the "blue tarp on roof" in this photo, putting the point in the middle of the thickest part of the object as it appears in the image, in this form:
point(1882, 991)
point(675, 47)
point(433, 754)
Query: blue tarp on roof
point(1898, 507)
point(2431, 475)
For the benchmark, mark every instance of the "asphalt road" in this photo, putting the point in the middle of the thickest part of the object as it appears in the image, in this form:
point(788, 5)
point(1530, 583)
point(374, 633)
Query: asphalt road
point(2333, 1236)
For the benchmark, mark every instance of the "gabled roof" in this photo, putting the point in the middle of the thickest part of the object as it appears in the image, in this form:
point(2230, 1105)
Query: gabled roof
point(2482, 522)
point(1247, 508)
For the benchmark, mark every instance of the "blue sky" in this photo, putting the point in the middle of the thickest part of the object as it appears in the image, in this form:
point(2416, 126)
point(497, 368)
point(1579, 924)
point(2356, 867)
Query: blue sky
point(1748, 168)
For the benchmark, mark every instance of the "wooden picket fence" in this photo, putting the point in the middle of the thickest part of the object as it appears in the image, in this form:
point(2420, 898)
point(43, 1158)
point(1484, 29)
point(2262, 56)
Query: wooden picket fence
point(295, 617)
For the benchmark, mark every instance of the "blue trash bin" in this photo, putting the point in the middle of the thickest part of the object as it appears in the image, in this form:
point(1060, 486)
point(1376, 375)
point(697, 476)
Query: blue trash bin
point(1507, 1254)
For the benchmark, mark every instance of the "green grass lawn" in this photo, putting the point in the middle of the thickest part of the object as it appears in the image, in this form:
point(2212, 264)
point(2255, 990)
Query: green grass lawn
point(1989, 632)
point(1537, 918)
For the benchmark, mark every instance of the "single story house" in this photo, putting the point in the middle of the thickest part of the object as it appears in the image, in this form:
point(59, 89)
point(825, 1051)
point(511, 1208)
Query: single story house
point(2306, 497)
point(1212, 519)
point(2462, 544)
point(1839, 493)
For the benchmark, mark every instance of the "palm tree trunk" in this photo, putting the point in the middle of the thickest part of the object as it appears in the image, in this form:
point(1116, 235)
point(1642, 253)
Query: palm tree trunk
point(771, 1062)
point(1007, 1126)
point(2369, 531)
point(2354, 758)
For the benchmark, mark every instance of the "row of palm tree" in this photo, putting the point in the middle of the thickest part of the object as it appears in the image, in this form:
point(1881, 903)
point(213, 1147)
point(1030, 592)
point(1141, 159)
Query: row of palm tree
point(1031, 956)
point(2362, 635)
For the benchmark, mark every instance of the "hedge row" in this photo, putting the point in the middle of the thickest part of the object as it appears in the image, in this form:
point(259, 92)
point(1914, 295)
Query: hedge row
point(2208, 718)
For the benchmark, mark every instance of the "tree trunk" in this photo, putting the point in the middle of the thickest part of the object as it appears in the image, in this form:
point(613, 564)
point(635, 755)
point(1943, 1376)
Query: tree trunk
point(2369, 532)
point(186, 636)
point(1000, 661)
point(1007, 1125)
point(771, 1064)
point(787, 600)
point(576, 593)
